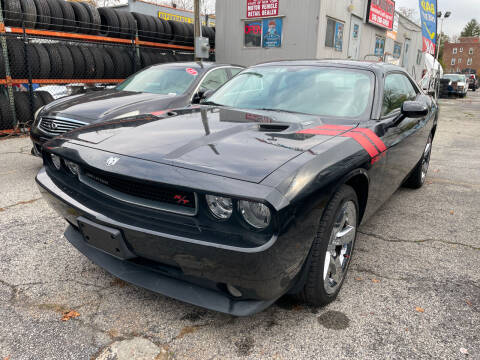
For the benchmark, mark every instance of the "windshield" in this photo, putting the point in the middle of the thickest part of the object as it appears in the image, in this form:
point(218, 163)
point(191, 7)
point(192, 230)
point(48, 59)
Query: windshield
point(160, 80)
point(455, 77)
point(303, 89)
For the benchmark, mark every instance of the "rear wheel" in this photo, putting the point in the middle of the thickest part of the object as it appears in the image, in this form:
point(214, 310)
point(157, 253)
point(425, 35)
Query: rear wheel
point(332, 248)
point(419, 174)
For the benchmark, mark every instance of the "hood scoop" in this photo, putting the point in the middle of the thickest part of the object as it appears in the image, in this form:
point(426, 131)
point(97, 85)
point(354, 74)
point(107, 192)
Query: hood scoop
point(273, 127)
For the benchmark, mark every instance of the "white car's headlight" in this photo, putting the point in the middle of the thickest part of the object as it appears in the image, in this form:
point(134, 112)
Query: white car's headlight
point(255, 214)
point(131, 113)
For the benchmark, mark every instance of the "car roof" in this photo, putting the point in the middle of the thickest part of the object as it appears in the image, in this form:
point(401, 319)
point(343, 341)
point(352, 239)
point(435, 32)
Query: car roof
point(206, 65)
point(367, 65)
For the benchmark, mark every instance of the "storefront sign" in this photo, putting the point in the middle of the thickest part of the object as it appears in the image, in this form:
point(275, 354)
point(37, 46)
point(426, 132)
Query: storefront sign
point(253, 33)
point(381, 13)
point(262, 8)
point(428, 14)
point(338, 43)
point(272, 33)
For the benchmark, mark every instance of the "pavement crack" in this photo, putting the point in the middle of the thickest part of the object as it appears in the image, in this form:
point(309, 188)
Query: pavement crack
point(20, 203)
point(421, 241)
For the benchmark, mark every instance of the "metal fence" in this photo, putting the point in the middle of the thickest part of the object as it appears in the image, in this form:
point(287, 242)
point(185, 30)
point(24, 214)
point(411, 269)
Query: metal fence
point(46, 56)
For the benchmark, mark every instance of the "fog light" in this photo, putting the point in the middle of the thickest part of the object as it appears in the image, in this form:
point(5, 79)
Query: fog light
point(255, 214)
point(74, 168)
point(234, 291)
point(57, 161)
point(221, 207)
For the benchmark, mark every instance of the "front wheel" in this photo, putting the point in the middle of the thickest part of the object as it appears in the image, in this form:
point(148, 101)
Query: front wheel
point(332, 248)
point(419, 174)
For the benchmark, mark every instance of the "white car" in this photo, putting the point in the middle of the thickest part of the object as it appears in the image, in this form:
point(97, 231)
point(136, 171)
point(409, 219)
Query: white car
point(457, 84)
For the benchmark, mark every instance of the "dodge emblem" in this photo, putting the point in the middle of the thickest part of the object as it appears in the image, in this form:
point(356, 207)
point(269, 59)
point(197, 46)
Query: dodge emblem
point(112, 161)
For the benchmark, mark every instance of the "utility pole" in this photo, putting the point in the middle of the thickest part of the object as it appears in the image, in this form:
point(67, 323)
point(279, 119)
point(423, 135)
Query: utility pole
point(197, 25)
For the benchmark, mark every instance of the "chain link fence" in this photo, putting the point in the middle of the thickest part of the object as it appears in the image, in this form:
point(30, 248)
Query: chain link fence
point(53, 48)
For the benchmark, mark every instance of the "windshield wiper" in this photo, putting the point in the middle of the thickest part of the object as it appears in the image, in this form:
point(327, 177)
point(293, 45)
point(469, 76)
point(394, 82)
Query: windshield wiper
point(281, 110)
point(213, 103)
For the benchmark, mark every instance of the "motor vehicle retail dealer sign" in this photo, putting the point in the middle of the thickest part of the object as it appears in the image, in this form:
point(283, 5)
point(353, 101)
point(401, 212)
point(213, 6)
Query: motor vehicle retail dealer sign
point(262, 8)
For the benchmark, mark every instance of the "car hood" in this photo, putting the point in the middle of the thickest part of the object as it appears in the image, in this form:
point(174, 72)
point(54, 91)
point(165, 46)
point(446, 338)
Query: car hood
point(233, 143)
point(108, 104)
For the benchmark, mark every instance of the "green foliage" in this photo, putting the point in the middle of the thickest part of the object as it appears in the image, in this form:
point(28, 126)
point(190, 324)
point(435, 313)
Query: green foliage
point(471, 29)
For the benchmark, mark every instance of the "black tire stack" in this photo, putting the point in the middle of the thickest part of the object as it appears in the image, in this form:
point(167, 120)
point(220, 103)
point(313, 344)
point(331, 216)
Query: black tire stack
point(23, 109)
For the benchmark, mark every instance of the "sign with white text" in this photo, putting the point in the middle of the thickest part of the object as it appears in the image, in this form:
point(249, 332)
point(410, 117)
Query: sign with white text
point(381, 13)
point(262, 8)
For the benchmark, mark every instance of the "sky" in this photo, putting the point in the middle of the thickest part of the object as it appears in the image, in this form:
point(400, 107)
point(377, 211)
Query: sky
point(462, 12)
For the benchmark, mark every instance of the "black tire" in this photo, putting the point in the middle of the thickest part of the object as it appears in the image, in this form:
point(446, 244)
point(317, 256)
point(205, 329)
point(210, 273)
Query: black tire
point(142, 26)
point(45, 96)
point(16, 56)
point(43, 14)
point(145, 59)
point(12, 12)
point(89, 62)
point(169, 57)
point(190, 34)
point(158, 29)
point(94, 18)
point(127, 62)
point(108, 66)
point(167, 31)
point(44, 60)
point(56, 63)
point(82, 18)
point(109, 22)
point(33, 62)
point(56, 15)
point(6, 113)
point(151, 33)
point(314, 291)
point(179, 32)
point(23, 108)
point(99, 62)
point(417, 177)
point(67, 61)
point(2, 65)
point(29, 11)
point(78, 62)
point(127, 24)
point(69, 22)
point(118, 63)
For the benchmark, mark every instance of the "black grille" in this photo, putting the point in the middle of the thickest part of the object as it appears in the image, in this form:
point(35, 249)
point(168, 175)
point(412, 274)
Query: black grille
point(144, 190)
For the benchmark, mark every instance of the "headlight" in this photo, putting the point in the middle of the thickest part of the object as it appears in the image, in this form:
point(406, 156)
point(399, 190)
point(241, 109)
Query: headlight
point(129, 114)
point(255, 214)
point(74, 168)
point(35, 116)
point(57, 161)
point(221, 207)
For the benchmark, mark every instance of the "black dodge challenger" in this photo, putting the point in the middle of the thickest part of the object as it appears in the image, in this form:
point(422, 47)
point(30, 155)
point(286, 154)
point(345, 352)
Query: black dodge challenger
point(255, 193)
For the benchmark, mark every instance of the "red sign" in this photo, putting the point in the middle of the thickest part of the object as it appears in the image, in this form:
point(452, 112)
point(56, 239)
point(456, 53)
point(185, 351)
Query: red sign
point(262, 8)
point(191, 71)
point(381, 13)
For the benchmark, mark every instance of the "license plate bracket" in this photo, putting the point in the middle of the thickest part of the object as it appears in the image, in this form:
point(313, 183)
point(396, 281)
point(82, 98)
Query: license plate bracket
point(104, 238)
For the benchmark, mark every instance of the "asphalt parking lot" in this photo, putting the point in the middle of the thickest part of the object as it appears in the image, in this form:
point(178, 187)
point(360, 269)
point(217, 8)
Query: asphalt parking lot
point(413, 290)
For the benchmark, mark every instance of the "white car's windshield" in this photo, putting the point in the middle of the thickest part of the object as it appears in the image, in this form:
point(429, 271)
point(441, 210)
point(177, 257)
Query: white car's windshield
point(158, 80)
point(455, 77)
point(323, 91)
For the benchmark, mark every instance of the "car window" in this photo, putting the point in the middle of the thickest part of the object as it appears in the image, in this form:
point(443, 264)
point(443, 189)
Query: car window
point(214, 79)
point(313, 90)
point(235, 71)
point(160, 80)
point(398, 89)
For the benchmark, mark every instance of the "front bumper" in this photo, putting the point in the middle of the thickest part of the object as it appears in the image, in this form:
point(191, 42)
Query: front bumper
point(38, 139)
point(183, 268)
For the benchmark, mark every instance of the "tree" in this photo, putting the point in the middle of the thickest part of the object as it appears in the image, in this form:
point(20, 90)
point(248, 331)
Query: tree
point(442, 39)
point(206, 6)
point(409, 13)
point(471, 29)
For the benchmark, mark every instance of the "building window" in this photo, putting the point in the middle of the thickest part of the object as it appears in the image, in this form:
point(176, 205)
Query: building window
point(470, 51)
point(397, 50)
point(253, 34)
point(419, 57)
point(453, 61)
point(459, 61)
point(454, 50)
point(461, 49)
point(469, 61)
point(334, 36)
point(379, 45)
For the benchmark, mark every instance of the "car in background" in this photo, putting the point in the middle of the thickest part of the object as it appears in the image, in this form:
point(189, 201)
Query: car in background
point(473, 82)
point(453, 84)
point(256, 192)
point(150, 91)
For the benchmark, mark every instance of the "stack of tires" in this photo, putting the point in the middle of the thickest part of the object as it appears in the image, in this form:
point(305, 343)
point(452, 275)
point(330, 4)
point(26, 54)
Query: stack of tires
point(82, 17)
point(23, 108)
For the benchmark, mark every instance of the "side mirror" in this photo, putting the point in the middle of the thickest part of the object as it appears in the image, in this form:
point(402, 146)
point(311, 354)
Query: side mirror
point(414, 109)
point(206, 94)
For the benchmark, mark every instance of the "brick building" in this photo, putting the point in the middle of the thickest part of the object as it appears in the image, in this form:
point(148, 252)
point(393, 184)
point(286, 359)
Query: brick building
point(462, 55)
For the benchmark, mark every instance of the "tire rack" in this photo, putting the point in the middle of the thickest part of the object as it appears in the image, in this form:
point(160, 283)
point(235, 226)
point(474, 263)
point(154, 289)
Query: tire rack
point(9, 82)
